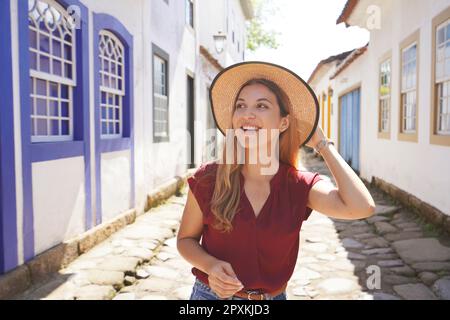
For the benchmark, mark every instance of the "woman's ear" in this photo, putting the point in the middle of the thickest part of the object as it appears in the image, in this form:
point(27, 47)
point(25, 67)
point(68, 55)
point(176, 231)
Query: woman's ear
point(284, 124)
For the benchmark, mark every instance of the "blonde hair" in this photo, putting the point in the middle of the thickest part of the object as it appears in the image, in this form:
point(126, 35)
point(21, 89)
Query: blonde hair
point(227, 190)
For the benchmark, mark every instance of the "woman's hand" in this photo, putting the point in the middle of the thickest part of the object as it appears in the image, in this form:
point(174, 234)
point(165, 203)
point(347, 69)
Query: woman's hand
point(222, 279)
point(315, 139)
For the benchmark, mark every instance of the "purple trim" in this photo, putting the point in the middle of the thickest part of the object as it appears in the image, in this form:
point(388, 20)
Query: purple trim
point(8, 210)
point(110, 23)
point(32, 152)
point(111, 145)
point(56, 150)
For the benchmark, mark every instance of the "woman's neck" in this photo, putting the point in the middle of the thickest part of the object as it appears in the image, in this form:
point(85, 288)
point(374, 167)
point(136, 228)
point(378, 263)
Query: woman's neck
point(260, 172)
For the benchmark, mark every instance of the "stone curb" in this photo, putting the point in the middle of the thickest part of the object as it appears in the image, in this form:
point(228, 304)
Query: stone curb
point(171, 187)
point(41, 267)
point(421, 208)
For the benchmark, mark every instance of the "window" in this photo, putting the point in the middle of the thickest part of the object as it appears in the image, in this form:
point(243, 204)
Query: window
point(385, 97)
point(190, 13)
point(160, 96)
point(408, 88)
point(112, 84)
point(52, 71)
point(409, 81)
point(442, 79)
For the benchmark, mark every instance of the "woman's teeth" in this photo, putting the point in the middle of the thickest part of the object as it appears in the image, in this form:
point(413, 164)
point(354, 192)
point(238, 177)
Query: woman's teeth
point(250, 128)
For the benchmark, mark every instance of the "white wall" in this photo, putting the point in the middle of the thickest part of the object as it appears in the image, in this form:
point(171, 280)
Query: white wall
point(116, 183)
point(58, 201)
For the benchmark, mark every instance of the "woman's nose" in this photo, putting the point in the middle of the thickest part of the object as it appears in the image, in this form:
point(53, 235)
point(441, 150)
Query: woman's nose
point(249, 113)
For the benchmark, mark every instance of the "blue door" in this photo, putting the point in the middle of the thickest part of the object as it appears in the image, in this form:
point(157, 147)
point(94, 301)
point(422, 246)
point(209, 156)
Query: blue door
point(349, 128)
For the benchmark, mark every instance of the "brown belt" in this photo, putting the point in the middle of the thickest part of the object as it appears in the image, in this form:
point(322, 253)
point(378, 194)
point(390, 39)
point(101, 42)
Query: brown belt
point(258, 294)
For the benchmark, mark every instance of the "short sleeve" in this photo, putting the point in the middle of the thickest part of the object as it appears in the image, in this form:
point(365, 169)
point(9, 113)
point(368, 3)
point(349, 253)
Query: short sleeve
point(306, 182)
point(202, 186)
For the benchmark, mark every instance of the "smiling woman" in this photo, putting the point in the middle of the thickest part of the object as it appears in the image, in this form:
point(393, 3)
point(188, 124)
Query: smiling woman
point(248, 215)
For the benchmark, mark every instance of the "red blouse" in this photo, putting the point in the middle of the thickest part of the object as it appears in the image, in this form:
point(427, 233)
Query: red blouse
point(262, 250)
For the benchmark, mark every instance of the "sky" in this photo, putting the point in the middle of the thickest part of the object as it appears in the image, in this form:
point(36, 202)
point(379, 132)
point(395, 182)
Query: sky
point(308, 34)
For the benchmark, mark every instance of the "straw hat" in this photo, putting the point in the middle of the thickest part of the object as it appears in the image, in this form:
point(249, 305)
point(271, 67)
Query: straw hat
point(226, 85)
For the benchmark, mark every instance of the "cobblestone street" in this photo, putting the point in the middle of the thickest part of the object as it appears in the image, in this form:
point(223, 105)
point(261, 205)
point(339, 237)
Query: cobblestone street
point(141, 261)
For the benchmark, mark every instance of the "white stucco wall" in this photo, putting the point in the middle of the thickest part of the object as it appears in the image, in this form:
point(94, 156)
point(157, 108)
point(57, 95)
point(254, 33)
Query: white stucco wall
point(58, 201)
point(116, 183)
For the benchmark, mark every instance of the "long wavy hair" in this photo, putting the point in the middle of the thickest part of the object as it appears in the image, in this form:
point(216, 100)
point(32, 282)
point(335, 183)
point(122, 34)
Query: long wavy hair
point(227, 193)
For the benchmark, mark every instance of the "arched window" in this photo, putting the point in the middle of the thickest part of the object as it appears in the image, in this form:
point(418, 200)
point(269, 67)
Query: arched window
point(52, 71)
point(112, 84)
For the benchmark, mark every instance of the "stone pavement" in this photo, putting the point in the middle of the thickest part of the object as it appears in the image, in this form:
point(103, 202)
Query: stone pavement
point(392, 255)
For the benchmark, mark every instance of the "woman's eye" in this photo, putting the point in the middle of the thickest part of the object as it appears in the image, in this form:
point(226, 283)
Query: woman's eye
point(262, 105)
point(238, 106)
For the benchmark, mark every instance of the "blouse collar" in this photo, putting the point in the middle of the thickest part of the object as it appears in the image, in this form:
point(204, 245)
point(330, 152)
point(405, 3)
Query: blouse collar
point(276, 179)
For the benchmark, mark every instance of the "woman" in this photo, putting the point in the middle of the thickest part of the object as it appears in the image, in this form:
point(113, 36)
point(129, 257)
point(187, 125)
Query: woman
point(248, 214)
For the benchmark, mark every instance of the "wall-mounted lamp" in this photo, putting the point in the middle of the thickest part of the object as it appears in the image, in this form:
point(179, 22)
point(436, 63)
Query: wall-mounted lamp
point(219, 41)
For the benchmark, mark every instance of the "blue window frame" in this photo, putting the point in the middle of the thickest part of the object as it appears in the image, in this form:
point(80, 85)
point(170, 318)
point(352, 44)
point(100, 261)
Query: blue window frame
point(54, 75)
point(52, 47)
point(113, 70)
point(113, 92)
point(112, 84)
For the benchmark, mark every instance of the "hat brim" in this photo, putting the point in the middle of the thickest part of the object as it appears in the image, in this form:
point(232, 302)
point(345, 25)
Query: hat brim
point(226, 85)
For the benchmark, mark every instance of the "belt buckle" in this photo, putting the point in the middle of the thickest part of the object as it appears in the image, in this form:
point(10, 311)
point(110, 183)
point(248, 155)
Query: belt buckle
point(250, 292)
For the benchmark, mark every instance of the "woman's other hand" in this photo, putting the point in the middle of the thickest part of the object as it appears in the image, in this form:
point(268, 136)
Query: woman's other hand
point(222, 279)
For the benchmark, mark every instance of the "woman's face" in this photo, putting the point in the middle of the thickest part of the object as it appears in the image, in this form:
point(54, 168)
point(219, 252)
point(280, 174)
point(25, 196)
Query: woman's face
point(257, 109)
